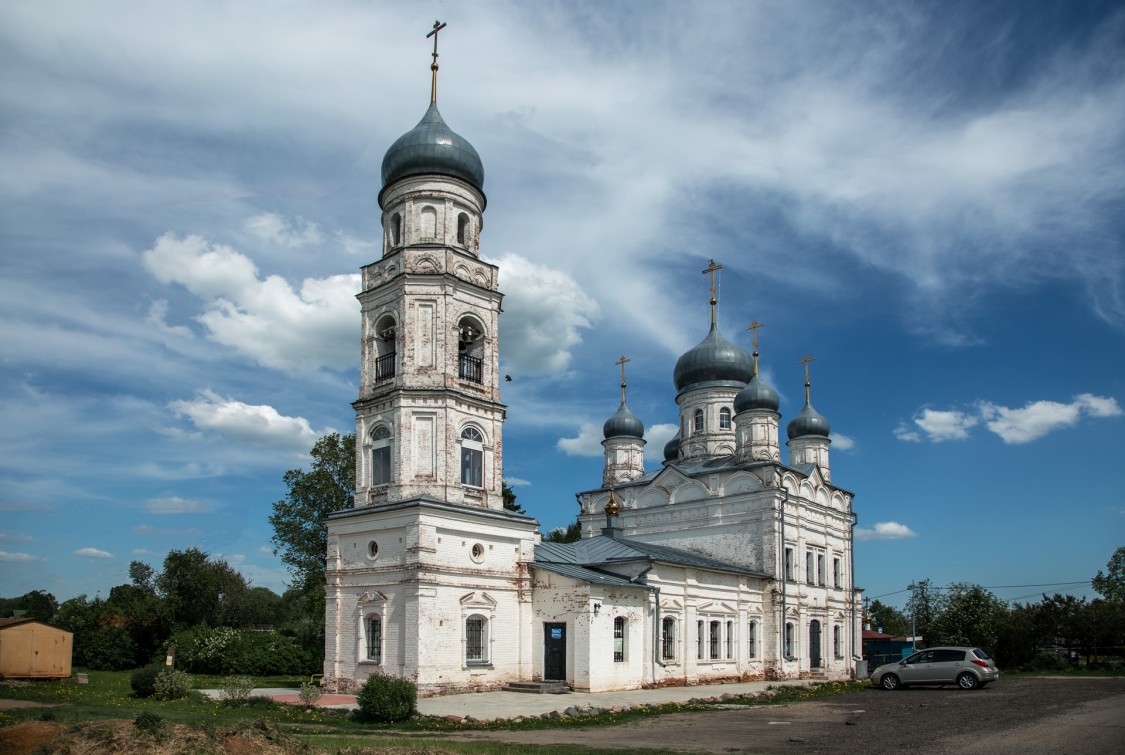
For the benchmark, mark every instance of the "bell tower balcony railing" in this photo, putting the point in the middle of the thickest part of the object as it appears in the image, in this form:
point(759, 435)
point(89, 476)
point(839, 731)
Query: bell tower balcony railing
point(385, 366)
point(470, 368)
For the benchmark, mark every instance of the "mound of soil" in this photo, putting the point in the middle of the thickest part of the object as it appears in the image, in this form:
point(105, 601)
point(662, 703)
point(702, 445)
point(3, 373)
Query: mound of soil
point(123, 738)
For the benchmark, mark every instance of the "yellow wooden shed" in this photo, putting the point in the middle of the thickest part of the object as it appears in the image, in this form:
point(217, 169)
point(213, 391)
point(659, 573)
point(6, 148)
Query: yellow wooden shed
point(30, 649)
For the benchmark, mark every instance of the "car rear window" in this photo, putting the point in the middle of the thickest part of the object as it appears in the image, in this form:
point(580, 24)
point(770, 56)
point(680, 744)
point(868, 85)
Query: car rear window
point(981, 654)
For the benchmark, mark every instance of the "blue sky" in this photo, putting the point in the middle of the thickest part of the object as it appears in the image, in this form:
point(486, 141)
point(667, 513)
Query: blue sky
point(925, 197)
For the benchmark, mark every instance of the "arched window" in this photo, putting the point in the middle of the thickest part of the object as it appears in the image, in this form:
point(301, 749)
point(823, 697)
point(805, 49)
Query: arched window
point(463, 230)
point(472, 457)
point(381, 455)
point(751, 636)
point(724, 418)
point(619, 639)
point(385, 354)
point(668, 638)
point(470, 350)
point(476, 639)
point(697, 425)
point(427, 224)
point(396, 230)
point(375, 639)
point(789, 641)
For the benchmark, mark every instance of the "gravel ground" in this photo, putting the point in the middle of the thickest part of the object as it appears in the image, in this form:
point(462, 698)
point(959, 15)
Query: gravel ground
point(1013, 715)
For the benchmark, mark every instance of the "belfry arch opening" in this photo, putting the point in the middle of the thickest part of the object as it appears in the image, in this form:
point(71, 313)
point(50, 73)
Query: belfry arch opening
point(464, 230)
point(386, 354)
point(470, 350)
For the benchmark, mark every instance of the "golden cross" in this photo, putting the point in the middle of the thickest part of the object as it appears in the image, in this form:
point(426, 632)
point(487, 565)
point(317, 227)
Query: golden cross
point(622, 362)
point(711, 269)
point(754, 325)
point(438, 26)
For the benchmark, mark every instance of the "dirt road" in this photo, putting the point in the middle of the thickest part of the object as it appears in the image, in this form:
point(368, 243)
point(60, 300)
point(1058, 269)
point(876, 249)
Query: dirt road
point(1015, 715)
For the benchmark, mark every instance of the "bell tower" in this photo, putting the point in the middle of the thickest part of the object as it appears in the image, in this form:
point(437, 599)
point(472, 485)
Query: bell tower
point(429, 418)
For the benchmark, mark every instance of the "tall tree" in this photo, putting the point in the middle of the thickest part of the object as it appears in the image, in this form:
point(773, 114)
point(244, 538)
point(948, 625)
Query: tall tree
point(510, 499)
point(971, 615)
point(888, 619)
point(201, 591)
point(923, 609)
point(300, 520)
point(1111, 586)
point(571, 534)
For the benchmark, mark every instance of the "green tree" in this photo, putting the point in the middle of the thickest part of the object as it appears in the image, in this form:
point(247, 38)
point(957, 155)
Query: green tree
point(570, 534)
point(198, 590)
point(890, 619)
point(300, 520)
point(101, 641)
point(970, 615)
point(510, 499)
point(1111, 586)
point(36, 604)
point(923, 609)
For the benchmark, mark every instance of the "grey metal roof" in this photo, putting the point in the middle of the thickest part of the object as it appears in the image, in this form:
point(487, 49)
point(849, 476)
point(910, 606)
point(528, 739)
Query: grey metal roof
point(587, 575)
point(808, 422)
point(714, 361)
point(672, 448)
point(757, 395)
point(623, 424)
point(591, 552)
point(433, 147)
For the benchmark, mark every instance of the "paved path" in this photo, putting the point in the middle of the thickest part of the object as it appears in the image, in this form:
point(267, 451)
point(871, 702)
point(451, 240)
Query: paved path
point(492, 705)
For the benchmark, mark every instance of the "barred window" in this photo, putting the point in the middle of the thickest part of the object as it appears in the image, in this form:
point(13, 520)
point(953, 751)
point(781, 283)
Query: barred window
point(476, 639)
point(619, 639)
point(715, 638)
point(668, 638)
point(375, 639)
point(751, 631)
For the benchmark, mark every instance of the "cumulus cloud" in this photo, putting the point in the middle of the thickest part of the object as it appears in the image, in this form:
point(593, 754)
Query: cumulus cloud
point(14, 537)
point(1014, 426)
point(884, 531)
point(587, 443)
point(517, 482)
point(545, 311)
point(841, 442)
point(1041, 417)
point(656, 438)
point(148, 529)
point(175, 505)
point(17, 558)
point(93, 553)
point(937, 425)
point(264, 318)
point(287, 232)
point(257, 424)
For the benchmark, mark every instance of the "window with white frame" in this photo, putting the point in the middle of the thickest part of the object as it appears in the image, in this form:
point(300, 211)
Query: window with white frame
point(730, 639)
point(810, 574)
point(668, 638)
point(820, 567)
point(619, 639)
point(715, 639)
point(698, 421)
point(375, 639)
point(724, 418)
point(837, 647)
point(700, 639)
point(789, 640)
point(836, 573)
point(381, 455)
point(790, 558)
point(476, 640)
point(814, 566)
point(472, 457)
point(751, 639)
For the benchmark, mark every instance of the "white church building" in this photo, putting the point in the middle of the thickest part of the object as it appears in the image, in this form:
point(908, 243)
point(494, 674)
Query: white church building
point(724, 564)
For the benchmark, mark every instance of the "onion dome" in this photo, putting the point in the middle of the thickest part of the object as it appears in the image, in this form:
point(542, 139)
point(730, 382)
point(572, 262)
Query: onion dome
point(672, 448)
point(808, 422)
point(623, 424)
point(756, 395)
point(432, 147)
point(715, 361)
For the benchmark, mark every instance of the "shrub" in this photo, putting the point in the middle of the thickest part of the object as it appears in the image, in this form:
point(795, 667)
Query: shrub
point(236, 689)
point(386, 699)
point(1047, 662)
point(222, 650)
point(172, 685)
point(310, 693)
point(143, 680)
point(149, 722)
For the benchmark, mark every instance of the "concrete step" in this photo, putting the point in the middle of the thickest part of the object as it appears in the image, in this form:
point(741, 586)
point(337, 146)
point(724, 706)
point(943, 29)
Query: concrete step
point(539, 688)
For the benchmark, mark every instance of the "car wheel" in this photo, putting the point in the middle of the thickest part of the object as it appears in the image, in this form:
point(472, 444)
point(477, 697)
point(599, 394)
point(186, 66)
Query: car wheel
point(889, 682)
point(967, 681)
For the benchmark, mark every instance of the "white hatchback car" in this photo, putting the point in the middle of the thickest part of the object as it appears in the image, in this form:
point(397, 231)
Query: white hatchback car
point(968, 668)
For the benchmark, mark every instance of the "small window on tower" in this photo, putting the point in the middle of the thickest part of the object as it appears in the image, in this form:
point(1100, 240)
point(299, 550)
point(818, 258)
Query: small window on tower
point(472, 457)
point(697, 423)
point(470, 351)
point(724, 418)
point(396, 230)
point(463, 230)
point(381, 455)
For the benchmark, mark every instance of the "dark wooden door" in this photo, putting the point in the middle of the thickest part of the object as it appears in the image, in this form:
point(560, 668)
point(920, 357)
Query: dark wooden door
point(554, 651)
point(814, 644)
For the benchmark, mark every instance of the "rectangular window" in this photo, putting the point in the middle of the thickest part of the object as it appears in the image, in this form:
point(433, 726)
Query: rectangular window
point(472, 467)
point(836, 572)
point(789, 558)
point(699, 639)
point(619, 639)
point(375, 639)
point(837, 648)
point(820, 568)
point(474, 640)
point(730, 639)
point(789, 641)
point(716, 638)
point(751, 631)
point(668, 639)
point(810, 575)
point(381, 465)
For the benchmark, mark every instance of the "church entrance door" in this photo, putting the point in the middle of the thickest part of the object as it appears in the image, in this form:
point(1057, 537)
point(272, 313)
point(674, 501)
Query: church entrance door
point(554, 652)
point(814, 644)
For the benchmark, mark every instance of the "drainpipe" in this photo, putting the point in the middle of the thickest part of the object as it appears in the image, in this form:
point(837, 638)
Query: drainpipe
point(851, 577)
point(784, 574)
point(655, 619)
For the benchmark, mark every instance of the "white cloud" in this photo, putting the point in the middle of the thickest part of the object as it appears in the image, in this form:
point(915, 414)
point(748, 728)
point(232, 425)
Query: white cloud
point(261, 425)
point(588, 442)
point(545, 311)
point(842, 442)
point(295, 232)
point(93, 553)
point(938, 426)
point(14, 537)
point(1038, 418)
point(517, 482)
point(17, 558)
point(265, 319)
point(884, 531)
point(175, 505)
point(656, 438)
point(145, 552)
point(148, 529)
